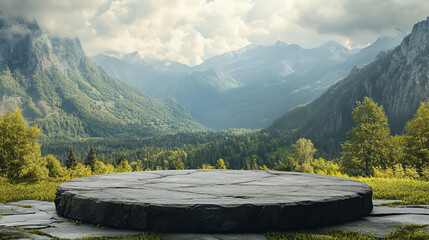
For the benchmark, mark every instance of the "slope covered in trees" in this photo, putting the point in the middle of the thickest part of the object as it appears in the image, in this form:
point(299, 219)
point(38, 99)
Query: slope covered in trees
point(66, 95)
point(397, 79)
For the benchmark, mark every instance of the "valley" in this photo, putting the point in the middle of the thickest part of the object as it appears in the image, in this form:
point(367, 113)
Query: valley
point(360, 113)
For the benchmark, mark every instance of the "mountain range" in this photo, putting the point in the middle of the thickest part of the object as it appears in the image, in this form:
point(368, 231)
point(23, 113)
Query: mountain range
point(60, 89)
point(247, 88)
point(397, 79)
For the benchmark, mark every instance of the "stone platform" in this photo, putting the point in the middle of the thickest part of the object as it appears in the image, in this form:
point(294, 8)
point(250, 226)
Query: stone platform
point(214, 201)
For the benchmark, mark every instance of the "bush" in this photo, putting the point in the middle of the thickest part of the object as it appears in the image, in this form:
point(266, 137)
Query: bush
point(54, 167)
point(101, 168)
point(79, 171)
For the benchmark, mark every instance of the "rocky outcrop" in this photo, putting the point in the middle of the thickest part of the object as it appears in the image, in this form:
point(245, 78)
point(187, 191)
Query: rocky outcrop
point(24, 46)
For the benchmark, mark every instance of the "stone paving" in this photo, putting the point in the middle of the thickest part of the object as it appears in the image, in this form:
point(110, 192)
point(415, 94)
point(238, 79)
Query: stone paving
point(42, 215)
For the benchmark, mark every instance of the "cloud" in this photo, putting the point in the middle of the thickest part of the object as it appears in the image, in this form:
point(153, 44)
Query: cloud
point(190, 31)
point(360, 20)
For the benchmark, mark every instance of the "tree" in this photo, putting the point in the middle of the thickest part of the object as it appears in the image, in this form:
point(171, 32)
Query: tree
point(303, 151)
point(177, 165)
point(367, 146)
point(19, 148)
point(122, 157)
point(220, 164)
point(417, 140)
point(71, 161)
point(54, 166)
point(91, 158)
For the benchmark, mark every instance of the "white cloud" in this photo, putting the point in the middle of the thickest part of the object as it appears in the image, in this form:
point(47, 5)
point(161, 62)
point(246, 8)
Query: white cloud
point(190, 31)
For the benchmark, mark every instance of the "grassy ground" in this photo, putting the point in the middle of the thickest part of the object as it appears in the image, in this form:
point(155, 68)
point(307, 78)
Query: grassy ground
point(143, 236)
point(44, 190)
point(409, 232)
point(410, 191)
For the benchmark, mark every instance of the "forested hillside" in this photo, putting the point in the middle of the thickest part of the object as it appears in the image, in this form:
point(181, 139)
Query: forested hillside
point(58, 88)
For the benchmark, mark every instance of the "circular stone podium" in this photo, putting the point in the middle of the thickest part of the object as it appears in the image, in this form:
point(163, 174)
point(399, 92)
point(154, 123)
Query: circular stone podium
point(213, 201)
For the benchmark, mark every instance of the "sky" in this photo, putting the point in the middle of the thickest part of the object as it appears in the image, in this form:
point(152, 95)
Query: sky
point(191, 31)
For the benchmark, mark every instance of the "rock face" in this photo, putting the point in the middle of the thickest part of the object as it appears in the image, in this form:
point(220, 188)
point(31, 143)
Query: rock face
point(398, 80)
point(214, 200)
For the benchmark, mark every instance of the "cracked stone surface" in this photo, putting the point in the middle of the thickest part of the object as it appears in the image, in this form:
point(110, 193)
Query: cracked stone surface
point(381, 221)
point(214, 201)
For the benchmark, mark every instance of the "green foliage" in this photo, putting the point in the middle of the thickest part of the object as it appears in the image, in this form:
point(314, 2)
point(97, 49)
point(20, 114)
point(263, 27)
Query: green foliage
point(207, 166)
point(43, 190)
point(142, 236)
point(19, 149)
point(102, 168)
point(367, 146)
point(302, 160)
point(79, 171)
point(417, 139)
point(410, 232)
point(123, 166)
point(55, 169)
point(86, 102)
point(335, 234)
point(410, 191)
point(220, 164)
point(303, 151)
point(399, 172)
point(91, 158)
point(177, 165)
point(193, 149)
point(71, 160)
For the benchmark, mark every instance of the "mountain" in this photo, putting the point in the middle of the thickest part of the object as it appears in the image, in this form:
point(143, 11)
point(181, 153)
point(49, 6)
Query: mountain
point(58, 88)
point(397, 79)
point(247, 88)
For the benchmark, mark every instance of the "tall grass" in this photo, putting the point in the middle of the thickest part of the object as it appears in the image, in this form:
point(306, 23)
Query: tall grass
point(43, 190)
point(410, 191)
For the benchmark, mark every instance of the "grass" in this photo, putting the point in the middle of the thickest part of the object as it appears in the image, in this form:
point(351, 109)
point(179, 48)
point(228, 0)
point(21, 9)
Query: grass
point(25, 206)
point(143, 236)
point(410, 191)
point(44, 190)
point(409, 232)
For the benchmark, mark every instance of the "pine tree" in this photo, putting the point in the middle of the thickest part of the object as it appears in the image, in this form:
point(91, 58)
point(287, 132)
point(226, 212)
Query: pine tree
point(368, 145)
point(122, 158)
point(71, 161)
point(91, 158)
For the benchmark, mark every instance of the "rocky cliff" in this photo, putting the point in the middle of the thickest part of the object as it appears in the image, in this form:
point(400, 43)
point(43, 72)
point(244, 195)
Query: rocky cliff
point(396, 79)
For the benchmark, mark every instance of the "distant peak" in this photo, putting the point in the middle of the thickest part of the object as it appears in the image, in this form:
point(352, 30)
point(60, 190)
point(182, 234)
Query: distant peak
point(332, 43)
point(280, 44)
point(418, 39)
point(134, 56)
